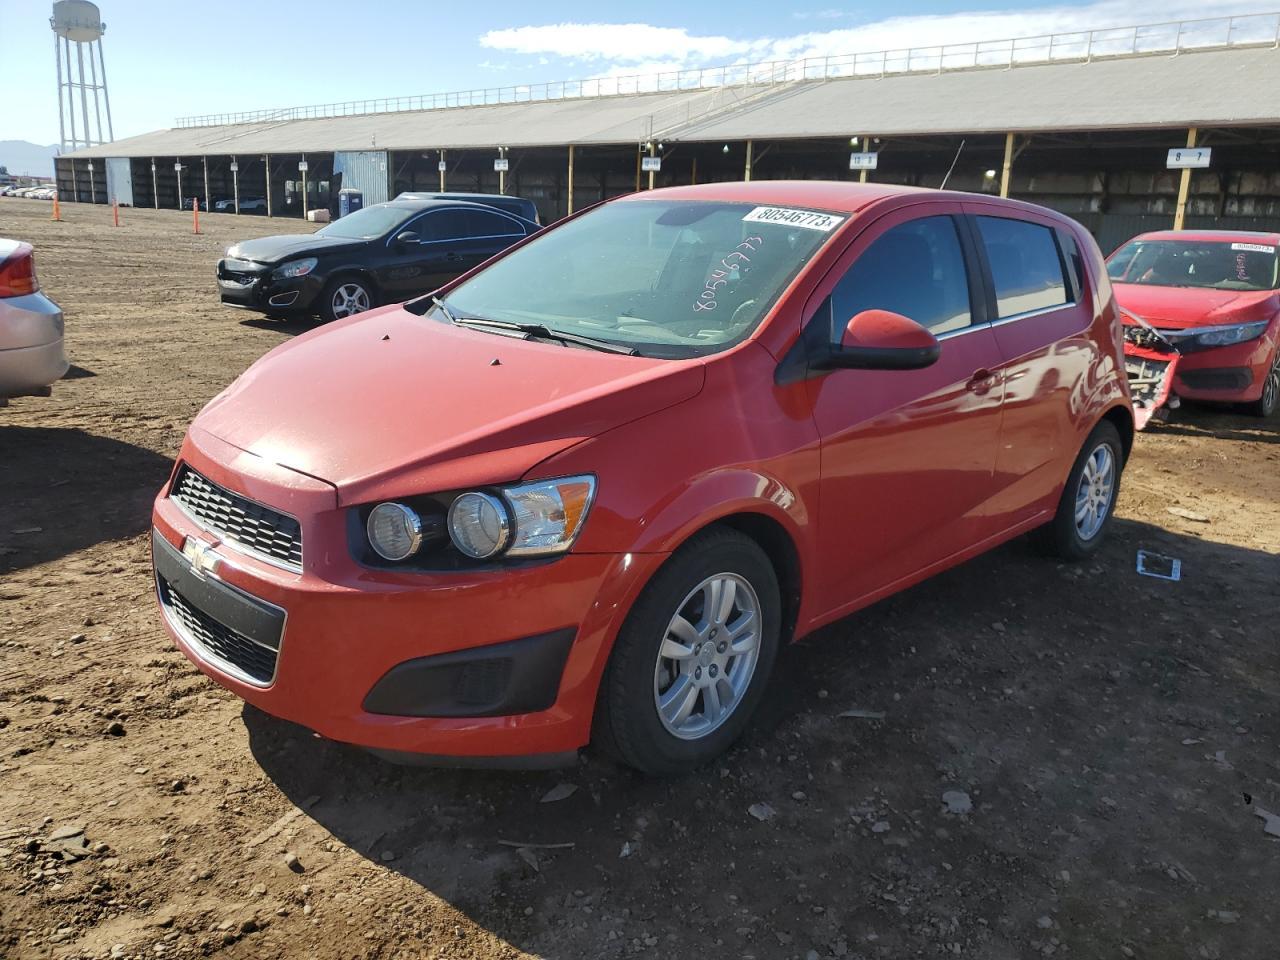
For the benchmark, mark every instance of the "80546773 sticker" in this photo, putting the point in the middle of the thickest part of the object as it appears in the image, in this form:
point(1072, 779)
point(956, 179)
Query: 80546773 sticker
point(789, 217)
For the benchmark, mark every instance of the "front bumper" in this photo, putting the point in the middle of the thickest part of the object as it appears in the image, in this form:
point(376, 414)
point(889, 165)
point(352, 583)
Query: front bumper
point(353, 640)
point(255, 289)
point(1229, 374)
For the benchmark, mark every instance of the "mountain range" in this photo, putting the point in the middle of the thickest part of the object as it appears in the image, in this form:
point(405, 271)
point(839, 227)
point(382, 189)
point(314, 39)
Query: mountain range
point(25, 158)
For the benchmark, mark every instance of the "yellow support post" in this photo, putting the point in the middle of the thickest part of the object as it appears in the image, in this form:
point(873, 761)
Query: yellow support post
point(651, 173)
point(442, 166)
point(746, 173)
point(1184, 186)
point(1007, 171)
point(694, 177)
point(570, 189)
point(639, 154)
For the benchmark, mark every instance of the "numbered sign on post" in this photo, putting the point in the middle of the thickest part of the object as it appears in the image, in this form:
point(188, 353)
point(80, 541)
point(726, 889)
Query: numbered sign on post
point(650, 164)
point(863, 161)
point(1183, 158)
point(302, 166)
point(442, 167)
point(235, 167)
point(501, 165)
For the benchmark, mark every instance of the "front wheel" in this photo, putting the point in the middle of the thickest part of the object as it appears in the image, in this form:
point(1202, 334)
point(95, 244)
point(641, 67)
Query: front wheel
point(1266, 404)
point(694, 656)
point(345, 297)
point(1089, 497)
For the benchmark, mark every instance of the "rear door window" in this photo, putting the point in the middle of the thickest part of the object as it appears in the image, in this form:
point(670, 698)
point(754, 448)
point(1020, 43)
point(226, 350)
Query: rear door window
point(1026, 266)
point(915, 269)
point(444, 225)
point(482, 223)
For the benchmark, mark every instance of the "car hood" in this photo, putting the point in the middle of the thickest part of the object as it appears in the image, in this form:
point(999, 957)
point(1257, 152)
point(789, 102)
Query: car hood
point(1179, 307)
point(388, 404)
point(275, 249)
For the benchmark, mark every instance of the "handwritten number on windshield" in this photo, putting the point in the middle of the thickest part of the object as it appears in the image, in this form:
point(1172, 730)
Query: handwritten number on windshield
point(729, 269)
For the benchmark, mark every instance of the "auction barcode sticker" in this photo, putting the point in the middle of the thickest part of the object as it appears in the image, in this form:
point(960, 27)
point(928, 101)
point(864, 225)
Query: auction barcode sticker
point(794, 218)
point(1255, 247)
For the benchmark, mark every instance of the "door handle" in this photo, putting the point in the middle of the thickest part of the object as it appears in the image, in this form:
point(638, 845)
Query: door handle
point(981, 381)
point(453, 256)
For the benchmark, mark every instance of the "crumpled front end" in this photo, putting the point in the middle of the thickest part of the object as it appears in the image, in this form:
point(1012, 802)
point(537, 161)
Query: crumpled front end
point(1151, 364)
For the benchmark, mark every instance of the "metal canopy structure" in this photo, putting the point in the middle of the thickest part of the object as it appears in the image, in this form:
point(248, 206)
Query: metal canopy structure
point(1220, 87)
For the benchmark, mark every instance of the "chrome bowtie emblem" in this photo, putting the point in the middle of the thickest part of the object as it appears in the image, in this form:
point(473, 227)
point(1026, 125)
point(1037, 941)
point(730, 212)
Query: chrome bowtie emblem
point(204, 562)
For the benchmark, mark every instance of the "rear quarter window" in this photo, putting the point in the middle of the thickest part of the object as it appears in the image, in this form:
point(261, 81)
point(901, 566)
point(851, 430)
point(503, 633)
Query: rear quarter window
point(1026, 266)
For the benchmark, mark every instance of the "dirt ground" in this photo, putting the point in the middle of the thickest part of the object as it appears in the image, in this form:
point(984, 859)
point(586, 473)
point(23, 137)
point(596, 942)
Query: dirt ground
point(1117, 735)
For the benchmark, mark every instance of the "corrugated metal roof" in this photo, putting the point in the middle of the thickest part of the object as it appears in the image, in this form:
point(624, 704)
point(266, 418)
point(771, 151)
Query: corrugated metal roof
point(1211, 88)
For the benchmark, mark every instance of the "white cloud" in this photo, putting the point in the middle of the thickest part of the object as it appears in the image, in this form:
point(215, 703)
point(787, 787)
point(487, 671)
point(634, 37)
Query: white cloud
point(631, 48)
point(621, 42)
point(828, 14)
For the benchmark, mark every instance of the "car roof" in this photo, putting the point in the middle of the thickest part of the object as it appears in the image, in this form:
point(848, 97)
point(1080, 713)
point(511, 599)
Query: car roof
point(838, 196)
point(1193, 236)
point(460, 195)
point(426, 204)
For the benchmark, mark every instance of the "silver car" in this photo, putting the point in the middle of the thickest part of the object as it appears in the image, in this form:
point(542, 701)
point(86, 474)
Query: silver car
point(31, 356)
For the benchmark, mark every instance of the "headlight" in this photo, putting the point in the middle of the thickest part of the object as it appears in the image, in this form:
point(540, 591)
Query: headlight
point(549, 514)
point(297, 268)
point(479, 524)
point(528, 520)
point(395, 531)
point(1233, 333)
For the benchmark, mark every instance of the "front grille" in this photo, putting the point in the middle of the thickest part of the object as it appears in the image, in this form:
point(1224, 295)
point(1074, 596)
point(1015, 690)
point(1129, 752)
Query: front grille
point(216, 640)
point(1217, 378)
point(254, 528)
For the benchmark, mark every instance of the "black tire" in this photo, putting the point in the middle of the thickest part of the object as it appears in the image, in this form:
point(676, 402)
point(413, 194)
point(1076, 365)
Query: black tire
point(1062, 536)
point(1267, 404)
point(328, 309)
point(627, 720)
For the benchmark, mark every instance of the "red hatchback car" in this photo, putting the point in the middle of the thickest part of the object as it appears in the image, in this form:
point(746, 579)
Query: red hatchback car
point(1201, 314)
point(587, 490)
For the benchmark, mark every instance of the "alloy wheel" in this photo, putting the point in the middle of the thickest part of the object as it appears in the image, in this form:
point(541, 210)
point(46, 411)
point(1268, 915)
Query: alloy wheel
point(349, 299)
point(1095, 492)
point(1271, 386)
point(708, 656)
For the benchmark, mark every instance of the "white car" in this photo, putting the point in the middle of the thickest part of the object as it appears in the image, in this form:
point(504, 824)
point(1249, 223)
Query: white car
point(31, 325)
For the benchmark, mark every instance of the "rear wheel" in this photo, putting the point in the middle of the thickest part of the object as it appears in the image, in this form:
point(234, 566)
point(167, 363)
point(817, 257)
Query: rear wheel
point(1089, 497)
point(345, 297)
point(1266, 404)
point(692, 660)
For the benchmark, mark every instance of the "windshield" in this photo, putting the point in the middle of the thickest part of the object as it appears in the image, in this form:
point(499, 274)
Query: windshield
point(368, 223)
point(1218, 264)
point(669, 278)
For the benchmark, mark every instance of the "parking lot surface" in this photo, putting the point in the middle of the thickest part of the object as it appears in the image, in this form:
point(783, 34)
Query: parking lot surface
point(1045, 759)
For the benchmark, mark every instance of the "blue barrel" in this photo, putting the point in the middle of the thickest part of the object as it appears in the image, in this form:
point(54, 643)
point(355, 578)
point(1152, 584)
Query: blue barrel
point(349, 200)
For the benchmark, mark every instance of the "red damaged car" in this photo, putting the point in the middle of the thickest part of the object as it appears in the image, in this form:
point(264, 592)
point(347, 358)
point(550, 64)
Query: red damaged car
point(1201, 312)
point(587, 490)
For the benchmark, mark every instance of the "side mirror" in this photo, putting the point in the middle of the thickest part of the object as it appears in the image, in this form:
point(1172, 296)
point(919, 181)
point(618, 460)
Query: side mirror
point(408, 237)
point(882, 340)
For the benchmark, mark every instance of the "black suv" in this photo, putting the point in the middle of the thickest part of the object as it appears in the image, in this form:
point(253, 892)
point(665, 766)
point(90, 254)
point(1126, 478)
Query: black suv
point(385, 253)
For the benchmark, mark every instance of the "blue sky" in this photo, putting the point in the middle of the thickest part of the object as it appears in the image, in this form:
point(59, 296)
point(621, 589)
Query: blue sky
point(169, 59)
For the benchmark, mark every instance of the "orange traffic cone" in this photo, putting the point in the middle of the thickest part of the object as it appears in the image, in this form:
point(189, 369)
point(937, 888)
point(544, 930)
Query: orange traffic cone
point(195, 210)
point(57, 210)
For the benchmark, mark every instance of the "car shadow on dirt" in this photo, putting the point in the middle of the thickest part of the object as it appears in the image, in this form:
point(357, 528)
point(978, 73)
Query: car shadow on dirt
point(1059, 698)
point(291, 326)
point(1203, 420)
point(65, 489)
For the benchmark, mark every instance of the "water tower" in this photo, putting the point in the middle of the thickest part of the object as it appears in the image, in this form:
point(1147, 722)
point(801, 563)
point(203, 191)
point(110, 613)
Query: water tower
point(78, 23)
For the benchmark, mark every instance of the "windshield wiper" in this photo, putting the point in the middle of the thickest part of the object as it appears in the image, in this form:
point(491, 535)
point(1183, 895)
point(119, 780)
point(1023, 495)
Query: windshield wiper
point(443, 308)
point(540, 330)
